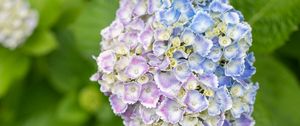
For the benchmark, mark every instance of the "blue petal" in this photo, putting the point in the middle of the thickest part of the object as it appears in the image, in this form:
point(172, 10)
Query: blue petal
point(231, 51)
point(169, 16)
point(215, 54)
point(244, 120)
point(231, 17)
point(209, 66)
point(182, 71)
point(238, 31)
point(250, 58)
point(249, 70)
point(195, 60)
point(202, 45)
point(179, 54)
point(235, 67)
point(219, 7)
point(185, 7)
point(223, 99)
point(188, 36)
point(225, 81)
point(201, 22)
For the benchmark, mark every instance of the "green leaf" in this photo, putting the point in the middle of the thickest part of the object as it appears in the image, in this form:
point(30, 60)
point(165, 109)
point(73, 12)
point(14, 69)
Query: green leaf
point(70, 11)
point(67, 70)
point(13, 67)
point(48, 10)
point(69, 110)
point(278, 100)
point(96, 15)
point(40, 43)
point(291, 48)
point(273, 21)
point(37, 103)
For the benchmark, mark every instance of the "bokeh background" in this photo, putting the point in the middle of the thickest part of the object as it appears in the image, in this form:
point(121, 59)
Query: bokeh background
point(45, 82)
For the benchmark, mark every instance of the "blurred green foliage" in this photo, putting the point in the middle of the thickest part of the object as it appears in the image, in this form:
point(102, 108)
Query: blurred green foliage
point(46, 81)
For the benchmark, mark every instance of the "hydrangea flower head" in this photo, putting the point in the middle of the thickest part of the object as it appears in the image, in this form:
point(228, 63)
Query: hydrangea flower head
point(17, 22)
point(178, 62)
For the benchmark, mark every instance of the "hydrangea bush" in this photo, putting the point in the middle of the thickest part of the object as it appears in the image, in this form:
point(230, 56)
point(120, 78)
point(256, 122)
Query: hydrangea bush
point(17, 22)
point(178, 62)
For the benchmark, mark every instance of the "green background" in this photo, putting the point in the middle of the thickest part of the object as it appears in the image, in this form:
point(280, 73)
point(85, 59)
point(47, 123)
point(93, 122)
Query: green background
point(45, 82)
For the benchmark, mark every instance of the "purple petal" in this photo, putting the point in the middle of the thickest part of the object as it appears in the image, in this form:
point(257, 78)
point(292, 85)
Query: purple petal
point(132, 92)
point(116, 28)
point(191, 84)
point(167, 83)
point(196, 102)
point(244, 120)
point(170, 111)
point(106, 61)
point(137, 67)
point(153, 6)
point(148, 115)
point(150, 95)
point(146, 37)
point(140, 8)
point(117, 104)
point(160, 47)
point(209, 80)
point(136, 24)
point(131, 113)
point(124, 13)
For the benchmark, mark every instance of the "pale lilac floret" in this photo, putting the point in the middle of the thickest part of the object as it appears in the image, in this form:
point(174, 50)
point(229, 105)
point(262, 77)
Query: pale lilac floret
point(124, 13)
point(146, 37)
point(160, 47)
point(148, 115)
point(137, 67)
point(167, 83)
point(106, 61)
point(149, 95)
point(209, 80)
point(244, 120)
point(195, 101)
point(117, 104)
point(140, 8)
point(132, 93)
point(170, 111)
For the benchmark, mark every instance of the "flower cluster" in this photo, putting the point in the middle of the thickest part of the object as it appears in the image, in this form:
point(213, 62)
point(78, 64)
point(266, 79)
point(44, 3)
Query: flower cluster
point(178, 62)
point(17, 22)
